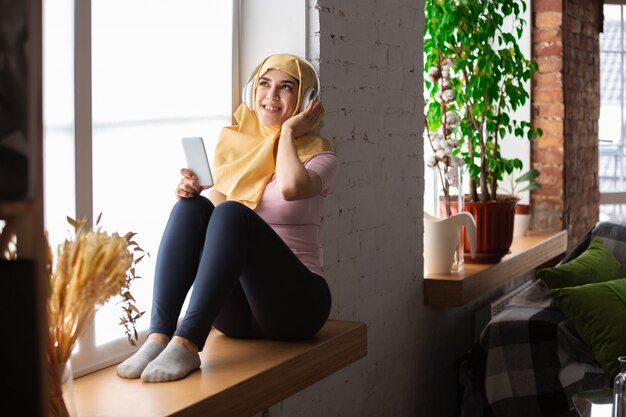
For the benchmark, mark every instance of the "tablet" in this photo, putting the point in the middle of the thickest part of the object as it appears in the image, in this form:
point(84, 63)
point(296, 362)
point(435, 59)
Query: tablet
point(197, 161)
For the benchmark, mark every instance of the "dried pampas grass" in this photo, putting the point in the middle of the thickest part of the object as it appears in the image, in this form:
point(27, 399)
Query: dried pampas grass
point(91, 269)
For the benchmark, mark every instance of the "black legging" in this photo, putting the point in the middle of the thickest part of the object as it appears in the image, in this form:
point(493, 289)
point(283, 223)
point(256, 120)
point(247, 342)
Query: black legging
point(246, 282)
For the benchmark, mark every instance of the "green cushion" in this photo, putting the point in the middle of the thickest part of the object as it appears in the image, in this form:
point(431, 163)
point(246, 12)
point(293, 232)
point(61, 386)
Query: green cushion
point(598, 313)
point(595, 264)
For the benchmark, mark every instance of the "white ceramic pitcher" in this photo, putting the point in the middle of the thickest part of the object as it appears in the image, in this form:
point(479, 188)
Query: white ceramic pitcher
point(441, 237)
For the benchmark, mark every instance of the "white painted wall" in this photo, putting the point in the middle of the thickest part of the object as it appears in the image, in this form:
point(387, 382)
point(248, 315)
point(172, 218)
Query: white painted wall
point(370, 59)
point(270, 27)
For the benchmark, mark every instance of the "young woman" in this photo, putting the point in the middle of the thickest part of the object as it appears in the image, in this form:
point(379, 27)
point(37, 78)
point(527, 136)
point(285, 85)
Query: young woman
point(252, 250)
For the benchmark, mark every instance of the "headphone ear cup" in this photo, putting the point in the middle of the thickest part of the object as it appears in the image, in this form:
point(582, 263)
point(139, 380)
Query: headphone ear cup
point(309, 95)
point(247, 95)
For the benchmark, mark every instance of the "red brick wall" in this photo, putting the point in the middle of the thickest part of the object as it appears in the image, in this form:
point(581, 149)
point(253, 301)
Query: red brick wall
point(548, 112)
point(566, 103)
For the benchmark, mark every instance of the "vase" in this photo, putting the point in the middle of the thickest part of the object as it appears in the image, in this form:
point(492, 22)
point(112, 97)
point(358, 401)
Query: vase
point(441, 242)
point(62, 400)
point(619, 390)
point(444, 230)
point(522, 220)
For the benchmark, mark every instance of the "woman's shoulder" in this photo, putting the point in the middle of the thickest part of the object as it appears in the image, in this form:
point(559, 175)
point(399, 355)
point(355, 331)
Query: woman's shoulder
point(323, 157)
point(326, 165)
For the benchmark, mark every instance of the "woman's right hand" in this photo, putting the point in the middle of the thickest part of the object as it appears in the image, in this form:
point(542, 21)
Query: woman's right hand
point(188, 186)
point(305, 121)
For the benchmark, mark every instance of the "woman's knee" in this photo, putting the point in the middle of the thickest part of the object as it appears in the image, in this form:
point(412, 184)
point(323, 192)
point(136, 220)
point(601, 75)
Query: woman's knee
point(190, 212)
point(193, 206)
point(231, 211)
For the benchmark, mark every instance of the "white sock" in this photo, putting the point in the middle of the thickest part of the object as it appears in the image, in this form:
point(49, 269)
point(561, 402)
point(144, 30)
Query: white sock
point(175, 362)
point(134, 366)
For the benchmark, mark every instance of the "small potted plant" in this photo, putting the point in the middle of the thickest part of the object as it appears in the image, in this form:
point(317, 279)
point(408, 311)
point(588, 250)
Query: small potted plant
point(466, 43)
point(516, 186)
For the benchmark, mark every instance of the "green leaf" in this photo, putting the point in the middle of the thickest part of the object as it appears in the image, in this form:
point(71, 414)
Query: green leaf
point(531, 186)
point(528, 176)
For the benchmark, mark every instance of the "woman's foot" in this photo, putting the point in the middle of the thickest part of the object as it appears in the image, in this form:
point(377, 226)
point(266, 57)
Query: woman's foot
point(175, 362)
point(135, 365)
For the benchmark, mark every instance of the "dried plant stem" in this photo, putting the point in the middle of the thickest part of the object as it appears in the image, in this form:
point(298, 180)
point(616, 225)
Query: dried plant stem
point(58, 408)
point(91, 269)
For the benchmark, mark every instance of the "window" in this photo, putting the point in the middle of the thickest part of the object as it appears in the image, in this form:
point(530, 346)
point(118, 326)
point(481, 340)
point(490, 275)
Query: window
point(154, 71)
point(612, 170)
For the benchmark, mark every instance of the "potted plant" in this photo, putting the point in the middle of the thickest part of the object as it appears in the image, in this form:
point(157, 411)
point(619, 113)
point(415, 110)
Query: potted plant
point(475, 66)
point(515, 186)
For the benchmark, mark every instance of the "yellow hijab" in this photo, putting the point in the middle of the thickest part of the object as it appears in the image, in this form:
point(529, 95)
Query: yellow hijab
point(245, 154)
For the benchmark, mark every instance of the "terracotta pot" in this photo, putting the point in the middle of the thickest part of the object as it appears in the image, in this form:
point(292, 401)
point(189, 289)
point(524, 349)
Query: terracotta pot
point(494, 227)
point(522, 209)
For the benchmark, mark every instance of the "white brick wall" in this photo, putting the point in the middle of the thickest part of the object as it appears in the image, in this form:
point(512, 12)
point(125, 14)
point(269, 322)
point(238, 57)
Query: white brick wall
point(370, 59)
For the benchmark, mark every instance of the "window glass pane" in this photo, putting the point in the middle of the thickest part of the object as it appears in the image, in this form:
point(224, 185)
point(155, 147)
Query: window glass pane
point(161, 71)
point(611, 35)
point(58, 106)
point(611, 123)
point(431, 187)
point(613, 212)
point(160, 59)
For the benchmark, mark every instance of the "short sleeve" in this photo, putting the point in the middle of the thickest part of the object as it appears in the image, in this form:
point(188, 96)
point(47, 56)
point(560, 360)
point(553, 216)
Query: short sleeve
point(326, 165)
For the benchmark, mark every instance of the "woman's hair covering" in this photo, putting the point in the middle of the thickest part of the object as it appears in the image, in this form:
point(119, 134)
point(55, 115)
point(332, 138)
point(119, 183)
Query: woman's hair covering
point(245, 155)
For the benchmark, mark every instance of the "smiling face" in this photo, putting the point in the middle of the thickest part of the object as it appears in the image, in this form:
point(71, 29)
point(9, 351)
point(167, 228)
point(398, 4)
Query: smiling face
point(276, 97)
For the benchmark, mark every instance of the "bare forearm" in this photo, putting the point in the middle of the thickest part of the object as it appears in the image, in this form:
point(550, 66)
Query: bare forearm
point(289, 169)
point(294, 180)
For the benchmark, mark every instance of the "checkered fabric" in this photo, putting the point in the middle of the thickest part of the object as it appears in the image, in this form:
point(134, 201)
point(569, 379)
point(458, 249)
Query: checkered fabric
point(535, 361)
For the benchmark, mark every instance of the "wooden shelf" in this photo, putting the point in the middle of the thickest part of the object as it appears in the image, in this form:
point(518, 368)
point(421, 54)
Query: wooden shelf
point(237, 377)
point(526, 253)
point(11, 209)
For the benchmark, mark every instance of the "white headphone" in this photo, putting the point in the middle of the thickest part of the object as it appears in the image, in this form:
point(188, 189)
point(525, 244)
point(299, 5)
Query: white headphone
point(247, 94)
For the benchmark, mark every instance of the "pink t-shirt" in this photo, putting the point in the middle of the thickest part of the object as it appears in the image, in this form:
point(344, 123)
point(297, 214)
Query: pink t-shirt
point(298, 222)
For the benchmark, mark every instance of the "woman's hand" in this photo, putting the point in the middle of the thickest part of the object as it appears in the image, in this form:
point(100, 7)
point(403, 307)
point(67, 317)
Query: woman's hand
point(188, 186)
point(305, 121)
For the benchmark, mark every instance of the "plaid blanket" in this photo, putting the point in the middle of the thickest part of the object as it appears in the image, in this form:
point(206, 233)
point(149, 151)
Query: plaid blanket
point(534, 359)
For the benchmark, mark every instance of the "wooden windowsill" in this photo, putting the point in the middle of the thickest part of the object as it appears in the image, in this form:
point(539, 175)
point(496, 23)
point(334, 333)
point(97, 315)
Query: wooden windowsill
point(526, 253)
point(237, 377)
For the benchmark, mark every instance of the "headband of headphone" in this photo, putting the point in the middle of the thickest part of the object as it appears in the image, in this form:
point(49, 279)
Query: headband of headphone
point(247, 94)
